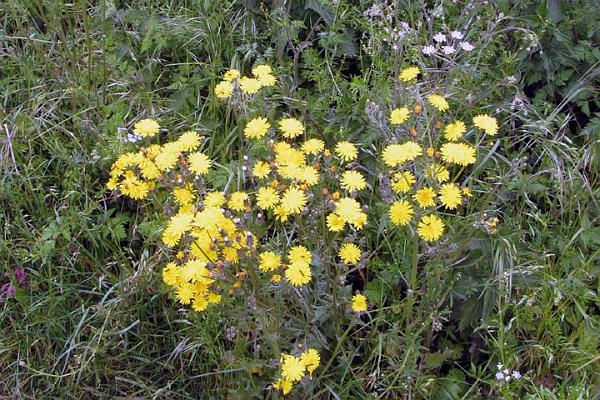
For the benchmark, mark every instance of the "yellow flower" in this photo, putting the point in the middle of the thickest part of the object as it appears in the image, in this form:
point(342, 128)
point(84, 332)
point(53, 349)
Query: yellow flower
point(249, 85)
point(213, 200)
point(231, 75)
point(146, 127)
point(199, 163)
point(267, 80)
point(276, 278)
point(184, 195)
point(223, 89)
point(403, 181)
point(284, 385)
point(401, 212)
point(237, 201)
point(172, 274)
point(262, 69)
point(200, 303)
point(454, 130)
point(309, 175)
point(185, 293)
point(486, 123)
point(359, 303)
point(349, 253)
point(431, 227)
point(292, 368)
point(348, 209)
point(346, 151)
point(257, 128)
point(293, 200)
point(189, 141)
point(335, 223)
point(168, 156)
point(458, 153)
point(269, 261)
point(395, 154)
point(313, 146)
point(298, 273)
point(353, 180)
point(467, 192)
point(409, 73)
point(180, 223)
point(299, 254)
point(261, 169)
point(291, 127)
point(267, 198)
point(450, 195)
point(439, 172)
point(399, 115)
point(280, 214)
point(311, 360)
point(439, 102)
point(425, 197)
point(196, 271)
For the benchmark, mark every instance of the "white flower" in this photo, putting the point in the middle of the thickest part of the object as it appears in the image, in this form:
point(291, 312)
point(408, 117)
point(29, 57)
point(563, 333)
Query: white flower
point(499, 376)
point(516, 375)
point(428, 50)
point(456, 35)
point(439, 37)
point(499, 366)
point(507, 378)
point(448, 49)
point(466, 46)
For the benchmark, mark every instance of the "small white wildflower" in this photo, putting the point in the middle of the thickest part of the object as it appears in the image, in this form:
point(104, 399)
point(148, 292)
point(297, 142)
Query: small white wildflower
point(507, 378)
point(499, 366)
point(439, 37)
point(466, 46)
point(428, 50)
point(456, 35)
point(499, 376)
point(516, 375)
point(448, 50)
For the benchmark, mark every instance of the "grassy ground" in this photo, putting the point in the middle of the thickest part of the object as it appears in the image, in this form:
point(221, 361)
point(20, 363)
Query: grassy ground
point(92, 318)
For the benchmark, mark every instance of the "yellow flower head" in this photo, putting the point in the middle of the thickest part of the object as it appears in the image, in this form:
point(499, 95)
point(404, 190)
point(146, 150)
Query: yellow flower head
point(146, 127)
point(184, 195)
point(313, 146)
point(335, 223)
point(349, 253)
point(395, 154)
point(439, 172)
point(284, 385)
point(438, 101)
point(231, 75)
point(431, 228)
point(199, 163)
point(172, 274)
point(267, 198)
point(450, 195)
point(458, 153)
point(213, 200)
point(403, 181)
point(189, 141)
point(401, 212)
point(352, 180)
point(359, 303)
point(291, 127)
point(298, 273)
point(425, 197)
point(311, 360)
point(486, 123)
point(399, 115)
point(257, 128)
point(293, 200)
point(237, 201)
point(346, 151)
point(348, 209)
point(299, 254)
point(269, 261)
point(292, 368)
point(261, 169)
point(454, 130)
point(262, 69)
point(223, 89)
point(409, 74)
point(249, 85)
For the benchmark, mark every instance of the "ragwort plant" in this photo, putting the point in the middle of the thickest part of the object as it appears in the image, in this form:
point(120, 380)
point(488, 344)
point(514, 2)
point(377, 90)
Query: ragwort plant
point(287, 228)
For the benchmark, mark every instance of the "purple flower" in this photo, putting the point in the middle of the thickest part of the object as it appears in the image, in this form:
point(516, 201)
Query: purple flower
point(428, 50)
point(448, 49)
point(466, 46)
point(20, 275)
point(439, 37)
point(456, 35)
point(7, 290)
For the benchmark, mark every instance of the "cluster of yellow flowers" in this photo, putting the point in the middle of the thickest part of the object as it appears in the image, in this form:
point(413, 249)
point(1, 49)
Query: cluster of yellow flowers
point(263, 77)
point(294, 368)
point(426, 174)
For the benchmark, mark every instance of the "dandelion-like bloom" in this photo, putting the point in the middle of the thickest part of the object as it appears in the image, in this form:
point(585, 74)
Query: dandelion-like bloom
point(146, 127)
point(353, 180)
point(486, 123)
point(284, 385)
point(223, 89)
point(458, 153)
point(267, 198)
point(335, 223)
point(309, 175)
point(293, 200)
point(346, 151)
point(214, 200)
point(231, 75)
point(431, 228)
point(262, 69)
point(349, 253)
point(261, 169)
point(311, 360)
point(249, 85)
point(199, 163)
point(183, 196)
point(395, 154)
point(185, 293)
point(299, 254)
point(359, 303)
point(399, 115)
point(450, 195)
point(439, 172)
point(409, 74)
point(313, 146)
point(291, 127)
point(401, 212)
point(298, 273)
point(257, 128)
point(266, 80)
point(425, 197)
point(348, 209)
point(403, 181)
point(438, 101)
point(269, 261)
point(237, 201)
point(454, 130)
point(171, 274)
point(292, 368)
